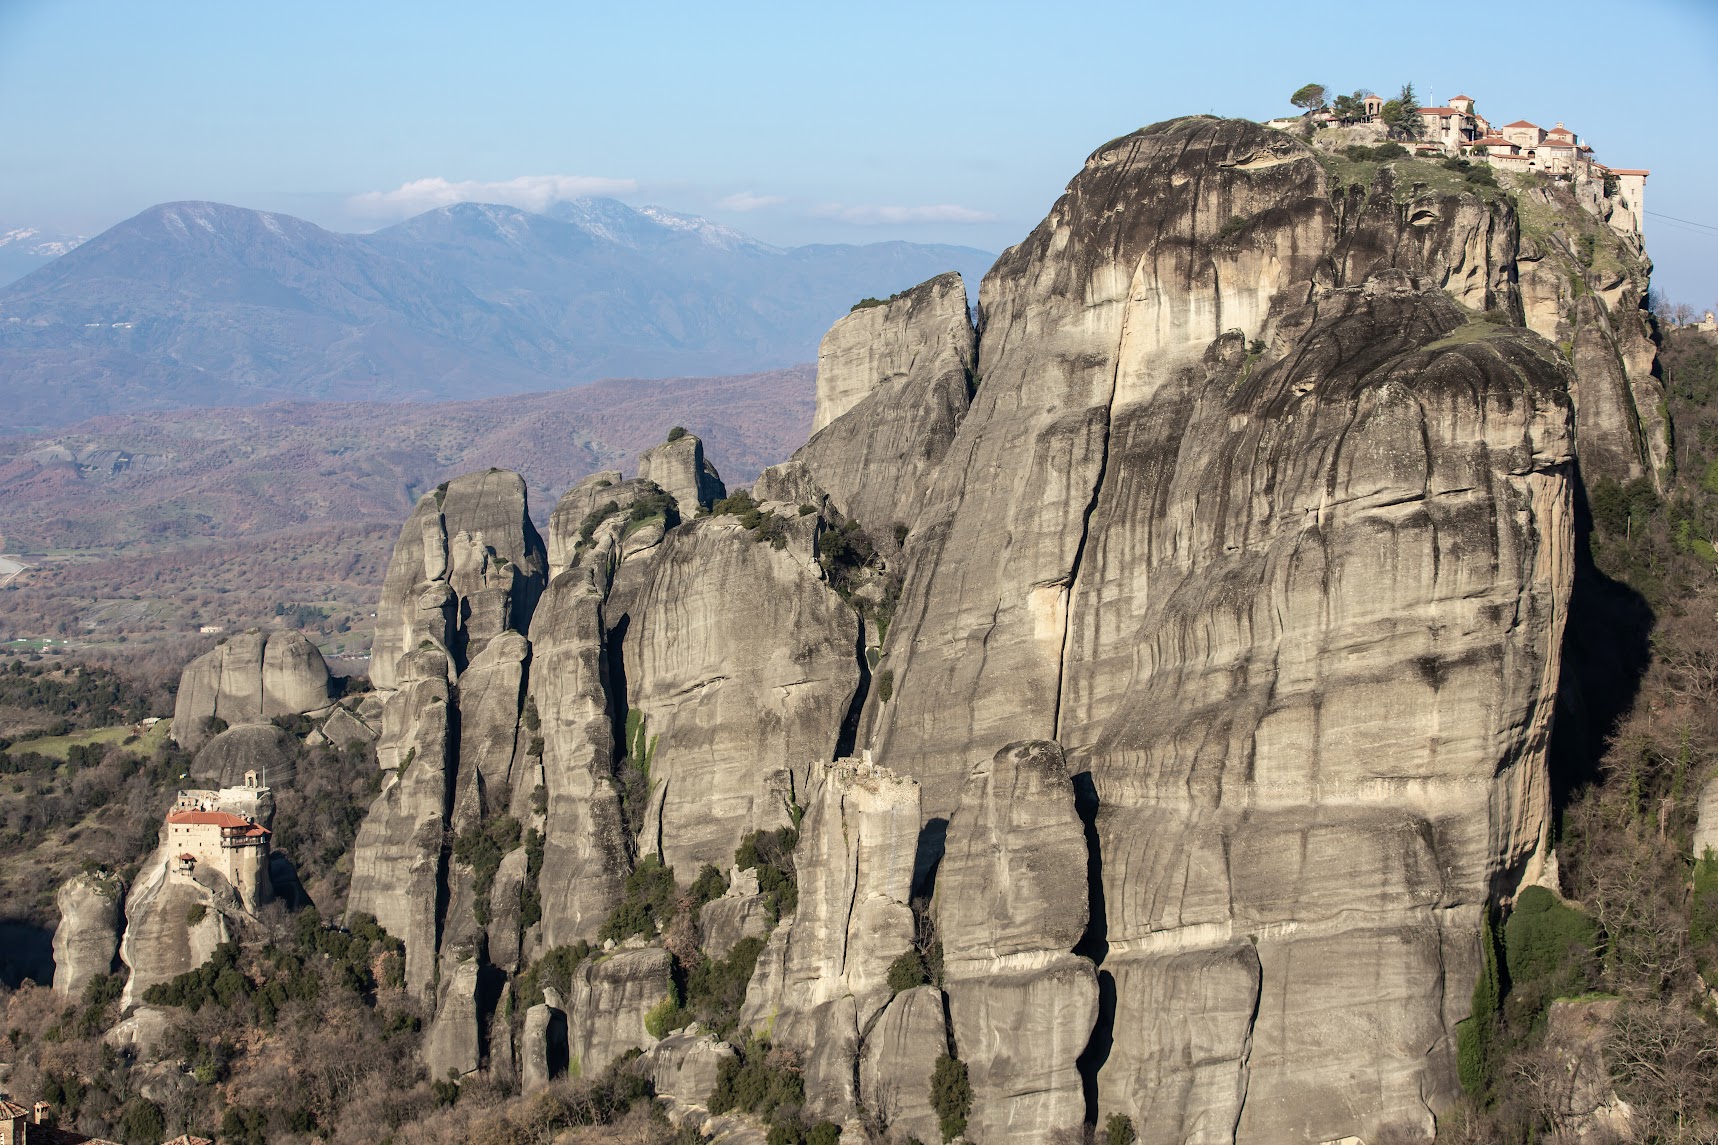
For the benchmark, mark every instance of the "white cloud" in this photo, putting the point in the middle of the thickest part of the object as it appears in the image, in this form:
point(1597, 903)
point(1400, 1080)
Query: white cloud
point(532, 192)
point(746, 201)
point(933, 213)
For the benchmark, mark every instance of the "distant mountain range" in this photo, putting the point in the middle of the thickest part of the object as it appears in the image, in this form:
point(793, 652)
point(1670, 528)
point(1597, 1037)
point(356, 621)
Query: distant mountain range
point(202, 304)
point(155, 523)
point(24, 249)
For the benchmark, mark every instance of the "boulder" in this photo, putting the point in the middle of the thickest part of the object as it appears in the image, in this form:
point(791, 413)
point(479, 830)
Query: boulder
point(451, 1045)
point(543, 1046)
point(87, 938)
point(250, 678)
point(342, 728)
point(681, 470)
point(725, 921)
point(684, 1067)
point(612, 994)
point(243, 749)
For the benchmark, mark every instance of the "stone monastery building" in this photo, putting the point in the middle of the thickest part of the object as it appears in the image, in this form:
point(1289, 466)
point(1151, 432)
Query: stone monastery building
point(1459, 131)
point(222, 832)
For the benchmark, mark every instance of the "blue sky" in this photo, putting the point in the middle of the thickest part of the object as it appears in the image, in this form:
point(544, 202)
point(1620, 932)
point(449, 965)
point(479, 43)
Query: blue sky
point(953, 122)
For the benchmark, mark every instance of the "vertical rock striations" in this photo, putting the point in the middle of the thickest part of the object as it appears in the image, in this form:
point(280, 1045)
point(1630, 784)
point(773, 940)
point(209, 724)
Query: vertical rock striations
point(468, 565)
point(1238, 540)
point(1011, 905)
point(740, 665)
point(855, 857)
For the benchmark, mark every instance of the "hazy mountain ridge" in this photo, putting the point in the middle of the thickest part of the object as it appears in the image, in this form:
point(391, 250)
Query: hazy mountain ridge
point(203, 304)
point(26, 248)
point(168, 520)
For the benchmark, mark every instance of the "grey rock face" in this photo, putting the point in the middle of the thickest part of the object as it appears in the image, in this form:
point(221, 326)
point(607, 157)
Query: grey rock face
point(252, 677)
point(543, 1046)
point(266, 750)
point(160, 943)
point(585, 846)
point(468, 565)
point(1706, 826)
point(684, 1067)
point(741, 663)
point(900, 1057)
point(1011, 905)
point(680, 468)
point(490, 695)
point(1593, 306)
point(451, 1047)
point(397, 857)
point(1250, 524)
point(343, 727)
point(727, 920)
point(611, 996)
point(570, 512)
point(857, 845)
point(893, 382)
point(87, 938)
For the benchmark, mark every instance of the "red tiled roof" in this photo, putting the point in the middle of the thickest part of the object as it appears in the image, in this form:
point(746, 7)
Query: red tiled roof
point(1521, 123)
point(207, 818)
point(12, 1109)
point(1442, 112)
point(1453, 98)
point(222, 819)
point(1629, 171)
point(187, 858)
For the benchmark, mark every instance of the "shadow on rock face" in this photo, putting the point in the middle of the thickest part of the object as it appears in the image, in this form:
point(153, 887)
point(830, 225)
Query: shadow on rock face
point(26, 951)
point(1607, 647)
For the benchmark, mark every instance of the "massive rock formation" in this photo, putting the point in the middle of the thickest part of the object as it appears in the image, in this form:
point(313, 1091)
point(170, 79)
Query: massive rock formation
point(740, 665)
point(468, 565)
point(87, 938)
point(397, 865)
point(892, 383)
point(250, 677)
point(1208, 679)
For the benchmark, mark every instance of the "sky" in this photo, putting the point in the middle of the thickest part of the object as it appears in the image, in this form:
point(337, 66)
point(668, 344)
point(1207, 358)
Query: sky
point(930, 121)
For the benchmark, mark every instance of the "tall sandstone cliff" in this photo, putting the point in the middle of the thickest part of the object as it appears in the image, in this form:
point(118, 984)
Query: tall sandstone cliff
point(1193, 689)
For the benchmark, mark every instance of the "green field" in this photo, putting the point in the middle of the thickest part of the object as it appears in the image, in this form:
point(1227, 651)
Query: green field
point(56, 747)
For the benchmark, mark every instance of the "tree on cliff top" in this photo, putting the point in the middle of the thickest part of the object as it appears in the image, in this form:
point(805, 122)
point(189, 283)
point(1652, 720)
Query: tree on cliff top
point(1402, 115)
point(1350, 108)
point(1309, 96)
